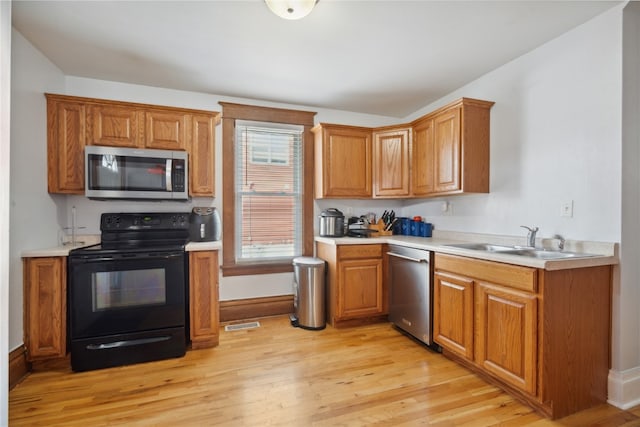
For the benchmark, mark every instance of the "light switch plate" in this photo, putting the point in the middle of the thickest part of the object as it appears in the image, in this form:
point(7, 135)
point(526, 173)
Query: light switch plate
point(566, 209)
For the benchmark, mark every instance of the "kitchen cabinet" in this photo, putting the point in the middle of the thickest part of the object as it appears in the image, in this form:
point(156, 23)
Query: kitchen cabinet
point(391, 161)
point(542, 335)
point(45, 307)
point(450, 152)
point(356, 292)
point(66, 138)
point(115, 126)
point(203, 299)
point(453, 313)
point(202, 156)
point(342, 161)
point(73, 122)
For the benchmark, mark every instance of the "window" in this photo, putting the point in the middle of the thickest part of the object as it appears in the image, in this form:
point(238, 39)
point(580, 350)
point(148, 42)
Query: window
point(268, 185)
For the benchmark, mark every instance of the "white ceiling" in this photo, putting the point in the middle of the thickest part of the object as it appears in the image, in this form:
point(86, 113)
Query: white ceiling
point(380, 57)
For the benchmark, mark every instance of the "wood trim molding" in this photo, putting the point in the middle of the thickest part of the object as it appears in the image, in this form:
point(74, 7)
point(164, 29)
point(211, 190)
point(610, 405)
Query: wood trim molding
point(255, 307)
point(18, 366)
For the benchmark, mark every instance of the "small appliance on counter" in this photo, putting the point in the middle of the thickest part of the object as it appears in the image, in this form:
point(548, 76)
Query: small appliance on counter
point(204, 225)
point(331, 223)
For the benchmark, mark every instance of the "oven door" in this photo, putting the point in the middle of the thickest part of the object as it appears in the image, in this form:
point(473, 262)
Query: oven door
point(126, 292)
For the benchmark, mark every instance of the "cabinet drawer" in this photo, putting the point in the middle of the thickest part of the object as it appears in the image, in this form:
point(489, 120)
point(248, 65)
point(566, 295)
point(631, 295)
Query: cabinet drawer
point(514, 276)
point(359, 251)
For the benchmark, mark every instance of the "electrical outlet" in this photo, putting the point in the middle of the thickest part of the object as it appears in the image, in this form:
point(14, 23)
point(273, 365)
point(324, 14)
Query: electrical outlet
point(566, 209)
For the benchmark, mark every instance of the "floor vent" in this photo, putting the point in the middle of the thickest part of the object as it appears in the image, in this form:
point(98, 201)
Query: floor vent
point(239, 326)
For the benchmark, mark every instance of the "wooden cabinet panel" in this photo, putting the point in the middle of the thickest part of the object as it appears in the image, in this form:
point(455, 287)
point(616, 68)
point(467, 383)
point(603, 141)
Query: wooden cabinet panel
point(447, 151)
point(202, 157)
point(422, 174)
point(453, 313)
point(115, 126)
point(66, 135)
point(507, 335)
point(342, 161)
point(391, 151)
point(166, 130)
point(203, 299)
point(360, 288)
point(73, 122)
point(45, 307)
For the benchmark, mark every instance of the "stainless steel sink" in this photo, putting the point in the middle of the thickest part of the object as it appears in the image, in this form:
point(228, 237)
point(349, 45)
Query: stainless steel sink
point(488, 247)
point(520, 251)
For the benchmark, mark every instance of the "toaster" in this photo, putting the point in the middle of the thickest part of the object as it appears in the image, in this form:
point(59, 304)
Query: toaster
point(204, 225)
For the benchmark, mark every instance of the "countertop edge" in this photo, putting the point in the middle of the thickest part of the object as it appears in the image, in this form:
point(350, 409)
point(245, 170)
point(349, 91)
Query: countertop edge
point(608, 252)
point(63, 250)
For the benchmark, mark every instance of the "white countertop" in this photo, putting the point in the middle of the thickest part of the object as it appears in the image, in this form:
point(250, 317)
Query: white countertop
point(63, 250)
point(606, 252)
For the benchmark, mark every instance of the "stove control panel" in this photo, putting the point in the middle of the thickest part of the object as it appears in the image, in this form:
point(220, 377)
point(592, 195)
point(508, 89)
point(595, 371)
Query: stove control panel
point(144, 221)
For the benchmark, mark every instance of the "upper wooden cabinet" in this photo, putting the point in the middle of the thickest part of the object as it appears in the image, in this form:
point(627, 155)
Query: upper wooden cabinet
point(166, 130)
point(342, 161)
point(115, 126)
point(391, 153)
point(74, 122)
point(451, 149)
point(66, 138)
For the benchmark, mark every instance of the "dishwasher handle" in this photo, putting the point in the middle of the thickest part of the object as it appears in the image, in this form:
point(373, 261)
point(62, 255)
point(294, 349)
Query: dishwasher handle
point(408, 258)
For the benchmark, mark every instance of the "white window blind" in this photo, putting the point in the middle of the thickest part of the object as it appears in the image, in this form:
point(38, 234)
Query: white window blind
point(268, 180)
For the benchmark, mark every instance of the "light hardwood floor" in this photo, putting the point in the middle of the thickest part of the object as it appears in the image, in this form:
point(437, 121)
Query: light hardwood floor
point(279, 375)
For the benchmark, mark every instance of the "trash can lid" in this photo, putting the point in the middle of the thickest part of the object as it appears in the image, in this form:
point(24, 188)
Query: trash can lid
point(307, 260)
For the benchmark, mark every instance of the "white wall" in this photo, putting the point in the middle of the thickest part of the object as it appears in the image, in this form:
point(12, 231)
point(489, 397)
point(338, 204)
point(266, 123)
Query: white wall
point(555, 137)
point(5, 100)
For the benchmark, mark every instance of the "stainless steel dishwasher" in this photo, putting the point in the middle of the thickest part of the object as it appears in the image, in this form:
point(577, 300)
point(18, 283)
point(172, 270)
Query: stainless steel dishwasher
point(411, 293)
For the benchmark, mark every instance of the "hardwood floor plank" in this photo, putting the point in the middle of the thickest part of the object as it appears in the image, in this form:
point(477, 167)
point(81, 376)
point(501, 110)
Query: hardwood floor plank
point(278, 375)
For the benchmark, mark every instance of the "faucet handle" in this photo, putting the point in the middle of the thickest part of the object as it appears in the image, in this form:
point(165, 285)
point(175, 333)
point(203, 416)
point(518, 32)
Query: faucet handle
point(531, 229)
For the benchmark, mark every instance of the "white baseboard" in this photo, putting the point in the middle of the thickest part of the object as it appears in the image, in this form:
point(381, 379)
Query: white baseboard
point(624, 388)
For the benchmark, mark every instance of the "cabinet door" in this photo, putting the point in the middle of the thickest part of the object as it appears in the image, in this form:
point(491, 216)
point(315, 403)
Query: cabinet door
point(166, 130)
point(66, 138)
point(453, 313)
point(391, 163)
point(45, 302)
point(422, 159)
point(202, 157)
point(507, 334)
point(115, 126)
point(203, 299)
point(346, 163)
point(360, 288)
point(447, 150)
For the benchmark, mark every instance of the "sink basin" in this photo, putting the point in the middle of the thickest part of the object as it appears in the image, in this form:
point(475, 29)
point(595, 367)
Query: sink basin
point(520, 251)
point(544, 254)
point(482, 247)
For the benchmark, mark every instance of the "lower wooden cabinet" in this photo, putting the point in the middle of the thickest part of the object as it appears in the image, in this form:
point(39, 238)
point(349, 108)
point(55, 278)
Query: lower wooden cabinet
point(356, 292)
point(453, 313)
point(543, 335)
point(203, 295)
point(45, 307)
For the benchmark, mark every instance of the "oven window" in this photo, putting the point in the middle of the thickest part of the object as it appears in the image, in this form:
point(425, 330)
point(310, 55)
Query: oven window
point(129, 288)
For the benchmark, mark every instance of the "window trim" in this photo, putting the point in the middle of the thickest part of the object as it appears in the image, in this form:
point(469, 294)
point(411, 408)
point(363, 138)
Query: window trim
point(230, 113)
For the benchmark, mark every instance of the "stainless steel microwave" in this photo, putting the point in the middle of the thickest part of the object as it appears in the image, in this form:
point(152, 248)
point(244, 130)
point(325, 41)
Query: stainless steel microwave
point(130, 173)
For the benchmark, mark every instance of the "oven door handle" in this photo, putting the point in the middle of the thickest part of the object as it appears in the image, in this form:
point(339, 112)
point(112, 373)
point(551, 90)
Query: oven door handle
point(121, 257)
point(127, 343)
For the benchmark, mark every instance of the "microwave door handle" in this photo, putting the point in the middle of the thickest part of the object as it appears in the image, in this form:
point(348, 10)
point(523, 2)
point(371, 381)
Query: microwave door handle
point(168, 174)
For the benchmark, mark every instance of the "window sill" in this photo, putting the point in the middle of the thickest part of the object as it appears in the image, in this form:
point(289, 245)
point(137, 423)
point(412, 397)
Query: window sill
point(253, 269)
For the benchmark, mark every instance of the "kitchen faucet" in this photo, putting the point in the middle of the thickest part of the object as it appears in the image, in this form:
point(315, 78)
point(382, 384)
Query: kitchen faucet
point(531, 235)
point(560, 241)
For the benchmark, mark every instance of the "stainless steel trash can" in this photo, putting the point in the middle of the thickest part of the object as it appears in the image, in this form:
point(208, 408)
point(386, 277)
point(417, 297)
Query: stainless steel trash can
point(309, 293)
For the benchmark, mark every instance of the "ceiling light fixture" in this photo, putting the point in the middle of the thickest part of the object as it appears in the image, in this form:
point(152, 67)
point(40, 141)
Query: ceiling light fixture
point(291, 9)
